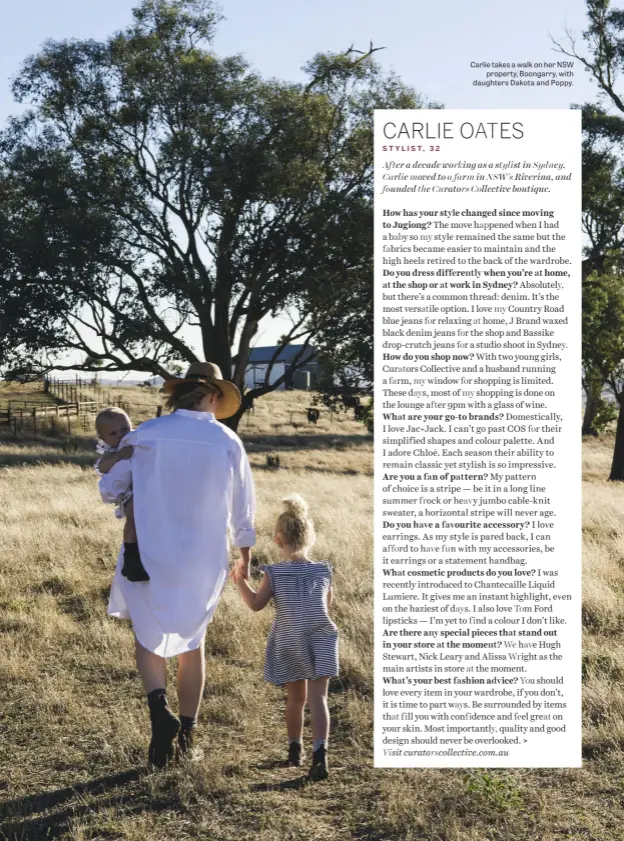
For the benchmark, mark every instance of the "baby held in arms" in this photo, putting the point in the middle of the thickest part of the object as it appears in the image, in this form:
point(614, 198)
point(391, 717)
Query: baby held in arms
point(112, 425)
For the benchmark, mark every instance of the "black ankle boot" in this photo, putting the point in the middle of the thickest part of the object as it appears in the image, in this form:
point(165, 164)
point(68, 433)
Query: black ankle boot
point(295, 754)
point(186, 741)
point(165, 728)
point(319, 769)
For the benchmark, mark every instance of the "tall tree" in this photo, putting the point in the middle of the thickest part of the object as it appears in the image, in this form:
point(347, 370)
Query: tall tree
point(603, 349)
point(603, 225)
point(161, 187)
point(603, 59)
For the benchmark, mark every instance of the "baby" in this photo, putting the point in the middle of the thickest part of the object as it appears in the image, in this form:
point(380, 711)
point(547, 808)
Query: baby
point(112, 426)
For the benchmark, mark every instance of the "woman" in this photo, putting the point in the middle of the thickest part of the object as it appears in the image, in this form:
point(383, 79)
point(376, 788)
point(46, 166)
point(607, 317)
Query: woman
point(191, 481)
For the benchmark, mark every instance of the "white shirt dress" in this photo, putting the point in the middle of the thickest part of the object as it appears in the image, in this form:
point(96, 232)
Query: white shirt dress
point(192, 484)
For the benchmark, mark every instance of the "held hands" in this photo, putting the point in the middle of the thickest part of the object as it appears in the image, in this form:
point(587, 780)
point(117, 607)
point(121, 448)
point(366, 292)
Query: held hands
point(240, 570)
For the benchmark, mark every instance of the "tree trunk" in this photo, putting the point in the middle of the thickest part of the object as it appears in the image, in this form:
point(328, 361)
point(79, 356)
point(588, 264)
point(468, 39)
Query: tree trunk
point(591, 410)
point(617, 465)
point(234, 421)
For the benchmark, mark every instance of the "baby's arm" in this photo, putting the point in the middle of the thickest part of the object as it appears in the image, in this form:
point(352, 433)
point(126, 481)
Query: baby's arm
point(108, 460)
point(255, 600)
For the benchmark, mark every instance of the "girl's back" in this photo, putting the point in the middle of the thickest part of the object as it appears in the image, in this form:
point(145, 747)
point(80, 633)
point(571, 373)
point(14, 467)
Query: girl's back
point(300, 590)
point(303, 640)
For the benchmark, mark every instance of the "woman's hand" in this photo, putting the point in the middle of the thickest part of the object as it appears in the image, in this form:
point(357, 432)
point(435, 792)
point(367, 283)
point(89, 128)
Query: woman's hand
point(244, 561)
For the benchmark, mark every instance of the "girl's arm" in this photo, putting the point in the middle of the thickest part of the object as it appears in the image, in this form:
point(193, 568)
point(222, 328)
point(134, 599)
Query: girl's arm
point(109, 460)
point(330, 593)
point(255, 600)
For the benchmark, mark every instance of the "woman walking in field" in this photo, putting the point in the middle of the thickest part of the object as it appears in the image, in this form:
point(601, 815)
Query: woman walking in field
point(191, 481)
point(302, 649)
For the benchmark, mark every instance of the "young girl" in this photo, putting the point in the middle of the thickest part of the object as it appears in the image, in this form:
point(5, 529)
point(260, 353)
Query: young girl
point(302, 649)
point(112, 425)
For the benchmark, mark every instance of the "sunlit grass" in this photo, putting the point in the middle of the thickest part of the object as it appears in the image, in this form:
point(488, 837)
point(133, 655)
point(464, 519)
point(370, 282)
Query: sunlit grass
point(73, 719)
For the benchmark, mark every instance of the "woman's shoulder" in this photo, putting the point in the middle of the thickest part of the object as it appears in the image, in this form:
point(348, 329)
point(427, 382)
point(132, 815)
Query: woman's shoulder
point(145, 426)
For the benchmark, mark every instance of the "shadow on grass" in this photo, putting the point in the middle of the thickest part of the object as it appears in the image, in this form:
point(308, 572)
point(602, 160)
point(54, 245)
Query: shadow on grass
point(346, 471)
point(19, 460)
point(80, 450)
point(261, 443)
point(46, 450)
point(16, 816)
point(286, 785)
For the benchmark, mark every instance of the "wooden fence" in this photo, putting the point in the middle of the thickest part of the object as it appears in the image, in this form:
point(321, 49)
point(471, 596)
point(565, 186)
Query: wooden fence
point(81, 391)
point(77, 402)
point(67, 417)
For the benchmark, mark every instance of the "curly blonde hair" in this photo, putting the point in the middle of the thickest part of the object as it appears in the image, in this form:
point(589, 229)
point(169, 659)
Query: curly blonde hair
point(295, 524)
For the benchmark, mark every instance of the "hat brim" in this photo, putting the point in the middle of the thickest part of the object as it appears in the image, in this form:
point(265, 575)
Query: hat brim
point(230, 400)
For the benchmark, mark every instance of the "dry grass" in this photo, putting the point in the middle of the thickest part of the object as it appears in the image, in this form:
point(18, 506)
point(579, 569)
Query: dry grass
point(74, 724)
point(24, 396)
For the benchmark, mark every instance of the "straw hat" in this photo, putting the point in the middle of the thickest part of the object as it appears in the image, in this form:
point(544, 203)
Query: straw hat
point(210, 373)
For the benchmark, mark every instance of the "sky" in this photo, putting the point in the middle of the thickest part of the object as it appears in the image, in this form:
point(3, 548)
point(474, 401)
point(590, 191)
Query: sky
point(429, 45)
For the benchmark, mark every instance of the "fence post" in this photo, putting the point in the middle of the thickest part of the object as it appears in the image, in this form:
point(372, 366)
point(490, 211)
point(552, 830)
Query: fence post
point(34, 416)
point(158, 411)
point(15, 428)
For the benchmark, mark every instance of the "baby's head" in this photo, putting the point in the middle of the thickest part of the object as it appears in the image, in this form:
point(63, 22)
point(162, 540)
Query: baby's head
point(112, 425)
point(294, 530)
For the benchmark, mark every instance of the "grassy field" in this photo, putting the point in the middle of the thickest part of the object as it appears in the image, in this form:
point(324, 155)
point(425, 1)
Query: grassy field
point(24, 396)
point(73, 721)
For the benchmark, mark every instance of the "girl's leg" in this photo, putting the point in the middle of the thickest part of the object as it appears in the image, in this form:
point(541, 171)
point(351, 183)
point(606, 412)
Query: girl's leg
point(191, 678)
point(129, 532)
point(319, 711)
point(297, 692)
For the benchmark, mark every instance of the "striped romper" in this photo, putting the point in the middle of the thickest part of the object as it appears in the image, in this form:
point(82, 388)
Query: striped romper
point(303, 641)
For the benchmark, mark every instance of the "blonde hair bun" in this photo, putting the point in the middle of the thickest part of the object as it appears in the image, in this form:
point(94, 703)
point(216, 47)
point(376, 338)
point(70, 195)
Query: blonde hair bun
point(295, 524)
point(295, 505)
